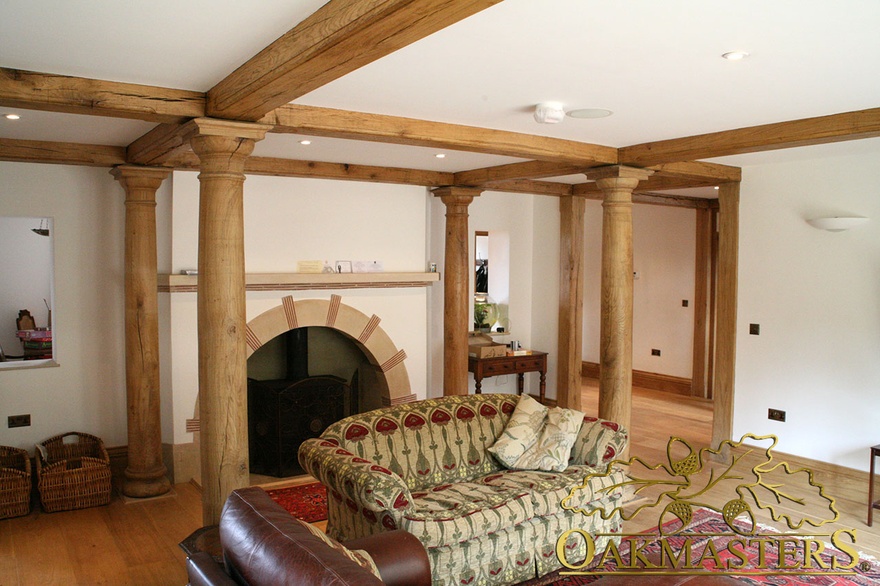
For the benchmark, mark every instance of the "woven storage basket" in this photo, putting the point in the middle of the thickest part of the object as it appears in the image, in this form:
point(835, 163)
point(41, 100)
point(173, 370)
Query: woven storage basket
point(15, 482)
point(73, 472)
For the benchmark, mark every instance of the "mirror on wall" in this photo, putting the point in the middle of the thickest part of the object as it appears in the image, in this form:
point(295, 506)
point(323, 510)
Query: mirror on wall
point(491, 288)
point(481, 264)
point(26, 291)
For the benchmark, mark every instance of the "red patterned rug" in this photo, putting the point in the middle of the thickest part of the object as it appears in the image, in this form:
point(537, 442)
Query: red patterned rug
point(708, 525)
point(305, 501)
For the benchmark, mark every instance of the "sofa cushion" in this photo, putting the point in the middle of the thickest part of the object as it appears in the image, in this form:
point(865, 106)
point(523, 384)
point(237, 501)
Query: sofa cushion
point(538, 438)
point(521, 433)
point(547, 489)
point(453, 513)
point(553, 448)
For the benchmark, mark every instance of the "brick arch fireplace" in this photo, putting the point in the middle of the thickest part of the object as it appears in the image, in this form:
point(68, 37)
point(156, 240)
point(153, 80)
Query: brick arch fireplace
point(386, 360)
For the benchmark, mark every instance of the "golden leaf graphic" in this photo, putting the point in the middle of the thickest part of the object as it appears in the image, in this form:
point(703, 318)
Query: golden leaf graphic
point(689, 482)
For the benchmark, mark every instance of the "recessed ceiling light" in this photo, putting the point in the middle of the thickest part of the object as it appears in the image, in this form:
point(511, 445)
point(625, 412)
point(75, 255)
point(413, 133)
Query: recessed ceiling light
point(590, 113)
point(735, 55)
point(305, 142)
point(440, 156)
point(12, 117)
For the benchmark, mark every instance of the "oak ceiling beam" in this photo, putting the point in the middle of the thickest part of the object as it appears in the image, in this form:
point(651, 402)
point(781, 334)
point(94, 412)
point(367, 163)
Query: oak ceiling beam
point(780, 135)
point(79, 95)
point(315, 121)
point(63, 153)
point(651, 184)
point(159, 145)
point(340, 37)
point(533, 187)
point(320, 170)
point(700, 171)
point(641, 195)
point(527, 170)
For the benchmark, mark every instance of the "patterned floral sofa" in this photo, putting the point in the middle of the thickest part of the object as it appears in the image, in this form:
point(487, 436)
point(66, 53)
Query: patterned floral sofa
point(424, 467)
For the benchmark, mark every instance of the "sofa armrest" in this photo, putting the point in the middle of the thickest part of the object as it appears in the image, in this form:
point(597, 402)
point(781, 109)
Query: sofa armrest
point(202, 570)
point(400, 557)
point(368, 485)
point(598, 442)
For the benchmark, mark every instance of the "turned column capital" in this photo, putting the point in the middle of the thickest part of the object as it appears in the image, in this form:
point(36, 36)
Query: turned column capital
point(224, 128)
point(617, 180)
point(140, 183)
point(456, 198)
point(223, 146)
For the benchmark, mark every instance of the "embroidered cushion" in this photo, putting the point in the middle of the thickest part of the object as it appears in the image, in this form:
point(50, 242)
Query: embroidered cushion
point(521, 432)
point(538, 438)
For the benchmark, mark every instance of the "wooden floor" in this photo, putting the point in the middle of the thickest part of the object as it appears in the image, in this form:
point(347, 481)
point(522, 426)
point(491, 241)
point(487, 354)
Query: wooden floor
point(136, 543)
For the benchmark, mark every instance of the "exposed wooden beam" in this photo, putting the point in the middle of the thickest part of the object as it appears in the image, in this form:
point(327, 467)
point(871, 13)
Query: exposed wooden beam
point(675, 201)
point(512, 171)
point(159, 145)
point(592, 191)
point(333, 123)
point(780, 135)
point(316, 169)
point(64, 153)
point(533, 187)
point(79, 95)
point(704, 172)
point(341, 36)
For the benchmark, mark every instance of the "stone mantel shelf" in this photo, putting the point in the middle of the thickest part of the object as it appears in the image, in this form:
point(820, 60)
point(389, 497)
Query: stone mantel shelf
point(306, 281)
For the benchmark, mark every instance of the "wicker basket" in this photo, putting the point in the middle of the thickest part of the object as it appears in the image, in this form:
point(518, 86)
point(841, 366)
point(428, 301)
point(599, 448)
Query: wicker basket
point(15, 482)
point(73, 472)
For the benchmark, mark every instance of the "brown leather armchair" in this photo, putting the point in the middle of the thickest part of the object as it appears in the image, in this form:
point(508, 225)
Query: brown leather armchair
point(263, 545)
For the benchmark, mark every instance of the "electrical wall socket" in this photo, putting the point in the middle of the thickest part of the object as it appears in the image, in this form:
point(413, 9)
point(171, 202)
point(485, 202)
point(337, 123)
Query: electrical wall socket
point(19, 420)
point(655, 352)
point(776, 414)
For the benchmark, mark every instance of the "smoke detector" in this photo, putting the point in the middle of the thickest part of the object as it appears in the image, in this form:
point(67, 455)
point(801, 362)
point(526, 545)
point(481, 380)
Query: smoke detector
point(549, 113)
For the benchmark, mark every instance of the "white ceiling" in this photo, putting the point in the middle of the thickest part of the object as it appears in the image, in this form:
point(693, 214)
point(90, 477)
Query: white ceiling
point(657, 65)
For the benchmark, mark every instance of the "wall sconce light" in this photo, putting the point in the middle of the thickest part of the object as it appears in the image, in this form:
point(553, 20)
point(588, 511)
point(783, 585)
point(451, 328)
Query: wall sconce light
point(837, 223)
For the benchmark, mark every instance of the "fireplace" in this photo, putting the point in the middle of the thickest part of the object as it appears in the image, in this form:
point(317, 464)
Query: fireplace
point(285, 411)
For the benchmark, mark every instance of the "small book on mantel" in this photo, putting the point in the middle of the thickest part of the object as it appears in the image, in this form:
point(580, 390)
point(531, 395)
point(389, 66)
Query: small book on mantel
point(519, 352)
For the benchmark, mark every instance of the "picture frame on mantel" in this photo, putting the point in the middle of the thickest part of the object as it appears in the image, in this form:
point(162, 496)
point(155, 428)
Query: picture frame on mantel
point(343, 266)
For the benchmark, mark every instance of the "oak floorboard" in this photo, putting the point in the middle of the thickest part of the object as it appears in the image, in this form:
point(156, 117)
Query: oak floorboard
point(32, 537)
point(8, 566)
point(93, 551)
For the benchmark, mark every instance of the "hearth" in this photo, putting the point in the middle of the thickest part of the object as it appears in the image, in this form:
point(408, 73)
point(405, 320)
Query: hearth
point(283, 413)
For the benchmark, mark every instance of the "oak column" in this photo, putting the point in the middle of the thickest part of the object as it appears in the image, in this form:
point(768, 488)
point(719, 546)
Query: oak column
point(571, 302)
point(456, 292)
point(726, 302)
point(222, 148)
point(145, 475)
point(615, 345)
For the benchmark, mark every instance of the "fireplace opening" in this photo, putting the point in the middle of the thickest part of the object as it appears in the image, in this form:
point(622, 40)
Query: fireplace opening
point(299, 383)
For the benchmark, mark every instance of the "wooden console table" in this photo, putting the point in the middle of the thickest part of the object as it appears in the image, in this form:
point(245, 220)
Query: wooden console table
point(501, 365)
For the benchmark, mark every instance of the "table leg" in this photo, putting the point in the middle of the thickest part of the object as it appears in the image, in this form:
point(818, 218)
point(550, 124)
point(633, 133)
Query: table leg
point(478, 385)
point(543, 385)
point(871, 491)
point(520, 377)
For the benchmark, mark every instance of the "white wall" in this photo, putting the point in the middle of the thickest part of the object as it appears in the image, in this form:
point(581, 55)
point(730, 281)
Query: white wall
point(289, 220)
point(86, 392)
point(664, 240)
point(816, 296)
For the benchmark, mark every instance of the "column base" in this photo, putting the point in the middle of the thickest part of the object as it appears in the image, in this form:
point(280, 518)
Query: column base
point(145, 487)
